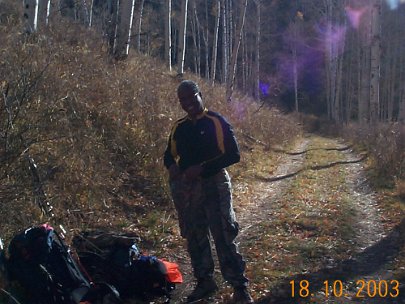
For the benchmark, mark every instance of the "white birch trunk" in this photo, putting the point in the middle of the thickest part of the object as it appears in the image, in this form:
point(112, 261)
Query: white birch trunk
point(233, 64)
point(197, 38)
point(244, 49)
point(168, 34)
point(125, 9)
point(182, 36)
point(139, 25)
point(364, 100)
point(206, 34)
point(31, 15)
point(224, 42)
point(257, 59)
point(401, 101)
point(215, 43)
point(194, 33)
point(375, 62)
point(86, 9)
point(91, 13)
point(42, 13)
point(401, 113)
point(131, 20)
point(294, 62)
point(48, 12)
point(334, 50)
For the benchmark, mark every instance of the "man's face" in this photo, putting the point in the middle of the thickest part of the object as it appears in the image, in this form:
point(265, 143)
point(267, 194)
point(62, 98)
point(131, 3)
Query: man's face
point(191, 102)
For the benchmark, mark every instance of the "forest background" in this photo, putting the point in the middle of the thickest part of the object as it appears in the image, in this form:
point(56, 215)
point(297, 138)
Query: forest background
point(88, 97)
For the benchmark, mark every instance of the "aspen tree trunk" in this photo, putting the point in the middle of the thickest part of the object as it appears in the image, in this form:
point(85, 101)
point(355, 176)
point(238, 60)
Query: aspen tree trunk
point(348, 88)
point(31, 15)
point(401, 99)
point(86, 11)
point(244, 47)
point(401, 68)
point(295, 77)
point(131, 20)
point(48, 12)
point(329, 62)
point(91, 13)
point(175, 45)
point(294, 59)
point(230, 27)
point(375, 62)
point(393, 67)
point(334, 50)
point(196, 39)
point(194, 35)
point(352, 79)
point(116, 18)
point(111, 24)
point(233, 64)
point(391, 80)
point(182, 40)
point(339, 75)
point(401, 107)
point(206, 35)
point(168, 34)
point(257, 59)
point(42, 13)
point(139, 25)
point(215, 42)
point(224, 42)
point(364, 67)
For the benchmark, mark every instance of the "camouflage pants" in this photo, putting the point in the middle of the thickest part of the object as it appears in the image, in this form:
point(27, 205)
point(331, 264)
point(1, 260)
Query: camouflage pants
point(204, 206)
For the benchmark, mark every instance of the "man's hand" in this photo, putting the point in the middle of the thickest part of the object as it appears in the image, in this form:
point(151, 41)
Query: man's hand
point(174, 172)
point(191, 173)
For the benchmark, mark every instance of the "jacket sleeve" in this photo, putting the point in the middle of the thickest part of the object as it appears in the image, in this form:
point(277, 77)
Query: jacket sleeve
point(169, 157)
point(230, 155)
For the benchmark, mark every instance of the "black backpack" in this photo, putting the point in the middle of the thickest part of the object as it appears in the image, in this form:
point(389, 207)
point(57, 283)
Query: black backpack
point(43, 265)
point(117, 260)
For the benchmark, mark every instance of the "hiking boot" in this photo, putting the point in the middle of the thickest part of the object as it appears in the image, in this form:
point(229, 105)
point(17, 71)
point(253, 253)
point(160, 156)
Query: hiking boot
point(203, 289)
point(241, 296)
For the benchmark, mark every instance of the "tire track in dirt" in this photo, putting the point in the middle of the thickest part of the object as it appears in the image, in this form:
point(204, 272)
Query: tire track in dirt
point(367, 261)
point(367, 228)
point(266, 200)
point(268, 197)
point(246, 217)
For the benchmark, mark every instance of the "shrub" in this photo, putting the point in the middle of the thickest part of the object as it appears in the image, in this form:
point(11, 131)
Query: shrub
point(96, 128)
point(386, 145)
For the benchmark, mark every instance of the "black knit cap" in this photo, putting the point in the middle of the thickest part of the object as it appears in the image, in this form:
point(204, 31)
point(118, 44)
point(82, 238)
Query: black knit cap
point(188, 86)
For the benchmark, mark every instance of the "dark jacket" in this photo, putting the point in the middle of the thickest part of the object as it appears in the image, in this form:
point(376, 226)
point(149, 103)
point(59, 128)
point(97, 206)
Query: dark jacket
point(209, 141)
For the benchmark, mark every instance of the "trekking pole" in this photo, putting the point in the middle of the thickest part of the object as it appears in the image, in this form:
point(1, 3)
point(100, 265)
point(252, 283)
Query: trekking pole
point(39, 192)
point(10, 295)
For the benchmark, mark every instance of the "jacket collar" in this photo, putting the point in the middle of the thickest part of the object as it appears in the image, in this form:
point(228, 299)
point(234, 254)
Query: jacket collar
point(199, 116)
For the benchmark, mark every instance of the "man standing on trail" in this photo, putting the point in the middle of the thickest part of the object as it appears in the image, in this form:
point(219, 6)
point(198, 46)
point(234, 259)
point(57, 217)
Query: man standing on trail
point(201, 145)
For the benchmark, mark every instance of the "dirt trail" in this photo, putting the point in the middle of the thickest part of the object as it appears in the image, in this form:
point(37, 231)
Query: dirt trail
point(369, 259)
point(368, 228)
point(268, 194)
point(366, 261)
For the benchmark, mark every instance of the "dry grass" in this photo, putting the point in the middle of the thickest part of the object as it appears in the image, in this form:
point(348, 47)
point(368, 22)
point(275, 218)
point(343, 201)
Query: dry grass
point(400, 188)
point(97, 129)
point(386, 146)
